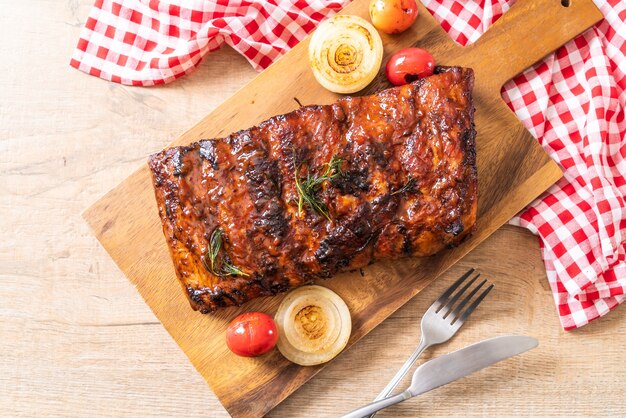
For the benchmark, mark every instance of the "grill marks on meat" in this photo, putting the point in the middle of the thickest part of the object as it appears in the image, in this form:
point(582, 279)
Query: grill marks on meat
point(408, 188)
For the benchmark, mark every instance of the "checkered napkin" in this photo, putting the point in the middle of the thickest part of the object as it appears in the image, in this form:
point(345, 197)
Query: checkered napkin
point(572, 102)
point(143, 43)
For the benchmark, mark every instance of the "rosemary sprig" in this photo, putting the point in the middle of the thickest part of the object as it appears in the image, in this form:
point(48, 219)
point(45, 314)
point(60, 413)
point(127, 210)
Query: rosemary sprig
point(219, 266)
point(407, 186)
point(308, 188)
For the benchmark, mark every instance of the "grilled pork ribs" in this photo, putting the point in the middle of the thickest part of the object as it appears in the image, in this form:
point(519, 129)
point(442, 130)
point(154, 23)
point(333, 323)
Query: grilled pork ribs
point(320, 190)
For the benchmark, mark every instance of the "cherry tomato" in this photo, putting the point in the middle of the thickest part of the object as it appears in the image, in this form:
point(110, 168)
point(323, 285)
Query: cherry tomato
point(251, 334)
point(408, 65)
point(393, 16)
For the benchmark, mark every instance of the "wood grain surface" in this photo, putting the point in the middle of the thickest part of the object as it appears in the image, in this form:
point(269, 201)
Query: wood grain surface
point(512, 170)
point(76, 339)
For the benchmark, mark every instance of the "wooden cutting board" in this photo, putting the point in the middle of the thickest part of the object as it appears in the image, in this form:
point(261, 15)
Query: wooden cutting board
point(512, 170)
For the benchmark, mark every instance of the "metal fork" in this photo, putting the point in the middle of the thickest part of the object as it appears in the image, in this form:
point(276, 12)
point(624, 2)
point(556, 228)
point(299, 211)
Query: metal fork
point(441, 321)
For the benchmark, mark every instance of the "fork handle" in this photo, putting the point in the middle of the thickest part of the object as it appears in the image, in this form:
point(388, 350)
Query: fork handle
point(402, 372)
point(378, 405)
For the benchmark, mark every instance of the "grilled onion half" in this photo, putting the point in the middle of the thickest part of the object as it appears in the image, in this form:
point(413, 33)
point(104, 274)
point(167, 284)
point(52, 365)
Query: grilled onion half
point(345, 53)
point(314, 325)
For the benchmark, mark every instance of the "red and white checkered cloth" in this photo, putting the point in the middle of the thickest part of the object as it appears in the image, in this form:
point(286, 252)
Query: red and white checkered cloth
point(573, 102)
point(143, 43)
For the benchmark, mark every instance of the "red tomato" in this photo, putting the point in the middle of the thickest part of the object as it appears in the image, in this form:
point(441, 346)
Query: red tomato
point(251, 334)
point(409, 65)
point(393, 16)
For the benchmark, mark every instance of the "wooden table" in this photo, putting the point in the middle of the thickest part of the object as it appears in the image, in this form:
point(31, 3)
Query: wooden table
point(77, 340)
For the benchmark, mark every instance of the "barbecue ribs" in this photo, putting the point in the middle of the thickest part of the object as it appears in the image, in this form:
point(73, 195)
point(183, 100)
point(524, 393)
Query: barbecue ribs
point(321, 190)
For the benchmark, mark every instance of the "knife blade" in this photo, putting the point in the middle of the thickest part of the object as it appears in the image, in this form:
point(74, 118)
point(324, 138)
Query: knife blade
point(450, 367)
point(453, 366)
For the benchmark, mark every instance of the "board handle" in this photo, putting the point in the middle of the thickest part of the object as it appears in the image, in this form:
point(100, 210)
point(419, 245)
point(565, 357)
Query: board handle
point(529, 31)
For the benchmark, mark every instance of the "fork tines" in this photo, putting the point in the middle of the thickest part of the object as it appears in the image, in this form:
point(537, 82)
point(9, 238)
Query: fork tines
point(447, 301)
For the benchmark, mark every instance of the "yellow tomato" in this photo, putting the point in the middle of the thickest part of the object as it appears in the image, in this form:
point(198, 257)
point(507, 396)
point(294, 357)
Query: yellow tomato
point(393, 16)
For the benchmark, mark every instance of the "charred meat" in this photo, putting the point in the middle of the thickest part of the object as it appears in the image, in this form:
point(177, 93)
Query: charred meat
point(320, 190)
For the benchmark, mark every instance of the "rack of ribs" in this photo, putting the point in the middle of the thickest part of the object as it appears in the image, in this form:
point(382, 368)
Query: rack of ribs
point(320, 190)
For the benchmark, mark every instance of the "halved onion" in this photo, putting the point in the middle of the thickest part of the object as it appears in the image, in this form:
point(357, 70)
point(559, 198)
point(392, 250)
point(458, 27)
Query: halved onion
point(314, 325)
point(345, 53)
